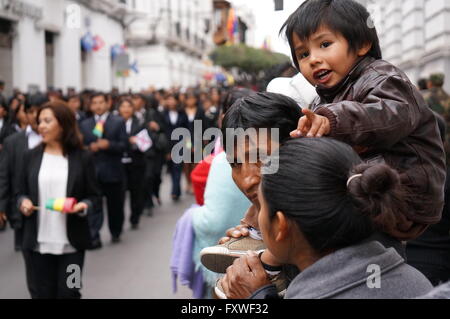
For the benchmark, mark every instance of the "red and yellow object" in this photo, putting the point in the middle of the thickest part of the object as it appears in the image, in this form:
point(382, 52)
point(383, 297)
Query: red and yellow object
point(63, 205)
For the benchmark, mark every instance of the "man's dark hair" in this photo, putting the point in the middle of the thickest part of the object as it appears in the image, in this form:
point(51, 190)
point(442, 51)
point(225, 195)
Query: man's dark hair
point(230, 97)
point(263, 110)
point(35, 100)
point(96, 94)
point(422, 84)
point(346, 17)
point(70, 97)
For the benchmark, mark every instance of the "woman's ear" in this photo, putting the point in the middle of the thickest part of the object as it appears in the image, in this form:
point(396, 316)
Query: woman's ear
point(364, 49)
point(282, 227)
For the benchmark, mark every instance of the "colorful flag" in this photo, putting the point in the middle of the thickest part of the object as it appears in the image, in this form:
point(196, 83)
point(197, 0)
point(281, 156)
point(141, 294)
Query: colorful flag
point(98, 43)
point(88, 42)
point(99, 129)
point(232, 25)
point(62, 205)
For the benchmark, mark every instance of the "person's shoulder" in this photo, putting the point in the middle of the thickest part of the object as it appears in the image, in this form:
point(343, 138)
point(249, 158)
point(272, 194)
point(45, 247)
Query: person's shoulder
point(34, 152)
point(87, 121)
point(382, 69)
point(13, 138)
point(116, 119)
point(81, 154)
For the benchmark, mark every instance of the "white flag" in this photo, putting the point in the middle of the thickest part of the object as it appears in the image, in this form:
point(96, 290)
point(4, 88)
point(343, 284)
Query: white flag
point(144, 141)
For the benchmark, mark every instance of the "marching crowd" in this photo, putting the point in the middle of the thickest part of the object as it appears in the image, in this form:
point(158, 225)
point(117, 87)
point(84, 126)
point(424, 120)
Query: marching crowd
point(78, 149)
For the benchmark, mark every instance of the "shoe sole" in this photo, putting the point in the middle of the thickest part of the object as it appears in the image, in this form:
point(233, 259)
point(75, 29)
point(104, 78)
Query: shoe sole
point(218, 259)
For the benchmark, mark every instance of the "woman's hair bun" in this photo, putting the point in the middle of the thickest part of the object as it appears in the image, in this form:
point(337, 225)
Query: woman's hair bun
point(376, 179)
point(378, 192)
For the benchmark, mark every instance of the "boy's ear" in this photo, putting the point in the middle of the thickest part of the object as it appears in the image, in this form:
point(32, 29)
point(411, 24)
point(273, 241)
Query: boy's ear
point(282, 231)
point(364, 49)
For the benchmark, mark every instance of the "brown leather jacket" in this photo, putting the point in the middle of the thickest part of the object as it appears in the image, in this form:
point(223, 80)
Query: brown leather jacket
point(383, 116)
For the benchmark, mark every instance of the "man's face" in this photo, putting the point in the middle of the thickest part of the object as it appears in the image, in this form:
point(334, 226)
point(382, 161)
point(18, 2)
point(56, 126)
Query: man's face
point(246, 165)
point(138, 103)
point(99, 105)
point(74, 104)
point(31, 115)
point(324, 58)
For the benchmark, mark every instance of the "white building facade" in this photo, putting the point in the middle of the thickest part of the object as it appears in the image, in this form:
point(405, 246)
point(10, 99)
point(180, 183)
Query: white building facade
point(414, 35)
point(169, 40)
point(40, 44)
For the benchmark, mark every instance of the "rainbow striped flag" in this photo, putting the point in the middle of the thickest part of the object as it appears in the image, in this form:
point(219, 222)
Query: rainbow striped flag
point(99, 129)
point(62, 205)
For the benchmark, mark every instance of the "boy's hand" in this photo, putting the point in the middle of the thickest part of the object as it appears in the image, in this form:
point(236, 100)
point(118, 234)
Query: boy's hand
point(311, 125)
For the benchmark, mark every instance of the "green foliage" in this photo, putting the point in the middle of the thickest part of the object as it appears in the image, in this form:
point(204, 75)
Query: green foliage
point(247, 59)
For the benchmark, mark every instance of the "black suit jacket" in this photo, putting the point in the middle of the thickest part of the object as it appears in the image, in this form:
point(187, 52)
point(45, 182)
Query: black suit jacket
point(108, 163)
point(11, 163)
point(81, 184)
point(182, 122)
point(5, 131)
point(132, 150)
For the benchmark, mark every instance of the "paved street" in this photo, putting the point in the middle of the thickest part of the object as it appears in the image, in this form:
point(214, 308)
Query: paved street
point(136, 268)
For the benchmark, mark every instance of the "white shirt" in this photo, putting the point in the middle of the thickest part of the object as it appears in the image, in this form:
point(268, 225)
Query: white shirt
point(52, 226)
point(128, 125)
point(1, 123)
point(101, 117)
point(173, 115)
point(34, 139)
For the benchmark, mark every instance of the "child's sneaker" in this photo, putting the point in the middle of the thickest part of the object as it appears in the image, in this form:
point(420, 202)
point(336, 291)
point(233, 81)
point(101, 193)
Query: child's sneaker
point(219, 258)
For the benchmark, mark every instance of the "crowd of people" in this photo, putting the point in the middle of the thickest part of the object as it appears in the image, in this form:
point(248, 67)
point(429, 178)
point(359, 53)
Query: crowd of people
point(87, 147)
point(357, 206)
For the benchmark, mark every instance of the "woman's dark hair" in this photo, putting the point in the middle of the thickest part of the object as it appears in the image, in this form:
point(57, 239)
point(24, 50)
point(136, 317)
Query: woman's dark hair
point(3, 104)
point(310, 188)
point(15, 114)
point(71, 137)
point(192, 94)
point(347, 17)
point(263, 110)
point(123, 100)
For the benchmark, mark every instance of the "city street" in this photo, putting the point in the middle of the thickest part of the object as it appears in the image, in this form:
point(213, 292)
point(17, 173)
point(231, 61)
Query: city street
point(136, 268)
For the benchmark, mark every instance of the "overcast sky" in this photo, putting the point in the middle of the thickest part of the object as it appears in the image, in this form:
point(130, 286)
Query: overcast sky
point(269, 21)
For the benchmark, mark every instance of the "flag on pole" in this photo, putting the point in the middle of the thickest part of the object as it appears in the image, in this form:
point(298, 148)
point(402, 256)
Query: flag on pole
point(232, 25)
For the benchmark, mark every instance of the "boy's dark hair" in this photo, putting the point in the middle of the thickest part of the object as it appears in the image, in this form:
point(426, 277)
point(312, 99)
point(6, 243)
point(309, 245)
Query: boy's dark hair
point(263, 110)
point(347, 17)
point(311, 188)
